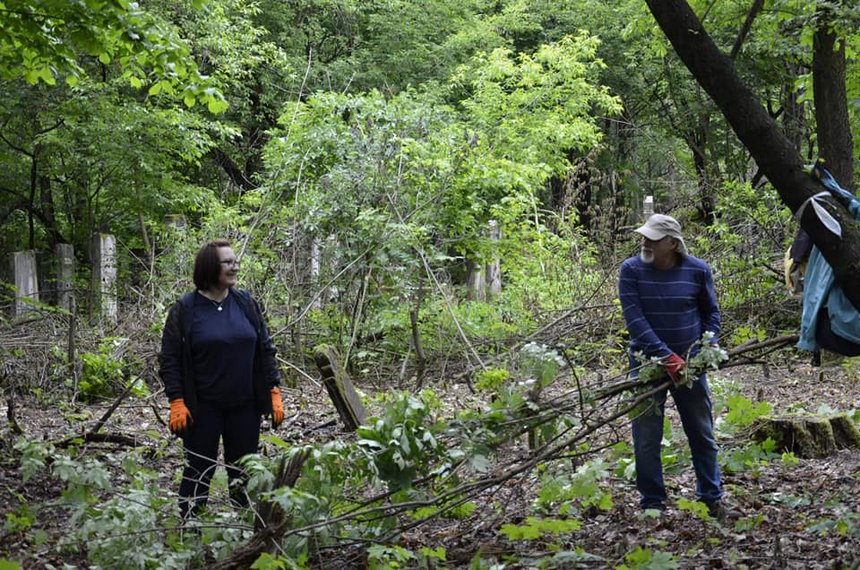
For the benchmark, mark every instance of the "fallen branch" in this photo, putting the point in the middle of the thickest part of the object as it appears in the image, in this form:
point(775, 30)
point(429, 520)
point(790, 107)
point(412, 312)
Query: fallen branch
point(274, 524)
point(272, 520)
point(109, 412)
point(90, 437)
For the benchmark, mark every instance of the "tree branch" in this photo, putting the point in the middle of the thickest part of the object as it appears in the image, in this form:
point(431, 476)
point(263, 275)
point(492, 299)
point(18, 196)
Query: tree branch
point(745, 29)
point(775, 154)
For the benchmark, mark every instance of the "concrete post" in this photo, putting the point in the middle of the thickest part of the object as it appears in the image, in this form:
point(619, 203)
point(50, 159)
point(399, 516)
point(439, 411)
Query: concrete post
point(25, 276)
point(316, 264)
point(648, 207)
point(476, 284)
point(104, 277)
point(494, 267)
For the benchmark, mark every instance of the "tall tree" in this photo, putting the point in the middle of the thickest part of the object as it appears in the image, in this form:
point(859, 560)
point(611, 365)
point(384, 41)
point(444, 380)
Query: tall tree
point(835, 143)
point(774, 153)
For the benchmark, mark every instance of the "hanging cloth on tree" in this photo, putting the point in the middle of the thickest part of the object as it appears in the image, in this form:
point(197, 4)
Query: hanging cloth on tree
point(829, 319)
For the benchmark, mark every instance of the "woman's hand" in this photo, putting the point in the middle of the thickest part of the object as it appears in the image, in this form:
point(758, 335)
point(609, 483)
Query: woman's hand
point(180, 417)
point(277, 407)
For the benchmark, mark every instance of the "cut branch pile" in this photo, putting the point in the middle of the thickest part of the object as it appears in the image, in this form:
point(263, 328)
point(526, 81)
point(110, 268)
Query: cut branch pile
point(596, 407)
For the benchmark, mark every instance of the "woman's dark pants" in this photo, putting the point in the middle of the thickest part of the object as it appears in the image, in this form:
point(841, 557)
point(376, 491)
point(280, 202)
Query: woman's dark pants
point(239, 427)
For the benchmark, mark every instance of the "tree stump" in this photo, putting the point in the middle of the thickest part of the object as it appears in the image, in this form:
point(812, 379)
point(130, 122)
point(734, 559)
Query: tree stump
point(809, 436)
point(346, 400)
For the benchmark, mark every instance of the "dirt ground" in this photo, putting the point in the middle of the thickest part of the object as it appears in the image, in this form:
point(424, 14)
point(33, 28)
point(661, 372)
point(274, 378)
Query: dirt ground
point(803, 514)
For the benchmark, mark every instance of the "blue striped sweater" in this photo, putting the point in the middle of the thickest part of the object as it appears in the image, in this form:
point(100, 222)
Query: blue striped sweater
point(668, 310)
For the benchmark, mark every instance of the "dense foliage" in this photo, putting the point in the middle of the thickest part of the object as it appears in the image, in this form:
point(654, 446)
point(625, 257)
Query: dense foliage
point(361, 156)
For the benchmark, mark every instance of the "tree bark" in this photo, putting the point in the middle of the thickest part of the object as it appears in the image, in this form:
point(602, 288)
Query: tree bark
point(775, 155)
point(793, 120)
point(241, 178)
point(835, 144)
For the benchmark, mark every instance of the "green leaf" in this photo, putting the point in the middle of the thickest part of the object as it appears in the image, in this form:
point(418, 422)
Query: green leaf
point(645, 558)
point(438, 553)
point(267, 562)
point(479, 463)
point(698, 508)
point(517, 532)
point(216, 105)
point(537, 527)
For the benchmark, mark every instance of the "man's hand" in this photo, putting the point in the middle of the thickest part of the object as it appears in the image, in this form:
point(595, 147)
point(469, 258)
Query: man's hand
point(675, 367)
point(277, 407)
point(180, 417)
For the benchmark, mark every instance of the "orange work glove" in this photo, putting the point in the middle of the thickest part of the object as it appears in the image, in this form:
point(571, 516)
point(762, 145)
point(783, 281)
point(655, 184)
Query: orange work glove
point(180, 418)
point(674, 367)
point(277, 407)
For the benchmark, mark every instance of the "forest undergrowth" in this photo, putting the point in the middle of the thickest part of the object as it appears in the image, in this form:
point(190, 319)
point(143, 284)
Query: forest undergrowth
point(525, 464)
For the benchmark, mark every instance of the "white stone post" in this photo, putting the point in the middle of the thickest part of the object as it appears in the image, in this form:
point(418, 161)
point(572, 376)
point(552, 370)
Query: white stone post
point(476, 285)
point(648, 207)
point(494, 267)
point(25, 275)
point(104, 276)
point(316, 256)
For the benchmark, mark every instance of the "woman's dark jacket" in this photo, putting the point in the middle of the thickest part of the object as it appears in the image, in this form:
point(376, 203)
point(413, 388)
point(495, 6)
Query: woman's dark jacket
point(176, 370)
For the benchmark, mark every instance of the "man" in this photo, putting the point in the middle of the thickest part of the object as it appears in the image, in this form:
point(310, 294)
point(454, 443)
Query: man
point(669, 301)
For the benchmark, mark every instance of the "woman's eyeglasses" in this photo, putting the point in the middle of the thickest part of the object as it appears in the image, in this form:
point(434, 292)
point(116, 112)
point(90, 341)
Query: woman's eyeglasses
point(230, 262)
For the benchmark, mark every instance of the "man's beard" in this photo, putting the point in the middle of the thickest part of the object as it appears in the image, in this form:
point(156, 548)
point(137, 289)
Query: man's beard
point(646, 255)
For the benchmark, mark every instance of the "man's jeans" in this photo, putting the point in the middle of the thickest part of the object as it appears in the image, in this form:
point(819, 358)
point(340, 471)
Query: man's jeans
point(695, 409)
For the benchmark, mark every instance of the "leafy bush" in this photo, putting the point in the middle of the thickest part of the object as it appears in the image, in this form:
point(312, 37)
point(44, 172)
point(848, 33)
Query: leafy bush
point(538, 364)
point(491, 378)
point(749, 457)
point(563, 492)
point(404, 441)
point(103, 375)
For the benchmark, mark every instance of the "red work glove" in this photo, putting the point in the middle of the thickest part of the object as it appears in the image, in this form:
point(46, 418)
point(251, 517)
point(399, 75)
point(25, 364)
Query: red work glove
point(180, 417)
point(674, 367)
point(277, 408)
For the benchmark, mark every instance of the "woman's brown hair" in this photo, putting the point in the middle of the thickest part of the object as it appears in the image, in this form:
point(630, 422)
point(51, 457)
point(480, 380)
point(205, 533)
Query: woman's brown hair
point(207, 266)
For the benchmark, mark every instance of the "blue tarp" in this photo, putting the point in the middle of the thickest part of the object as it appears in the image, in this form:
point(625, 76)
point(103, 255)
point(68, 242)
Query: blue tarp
point(820, 289)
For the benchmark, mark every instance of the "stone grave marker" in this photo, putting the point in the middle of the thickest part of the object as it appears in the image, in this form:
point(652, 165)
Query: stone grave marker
point(340, 390)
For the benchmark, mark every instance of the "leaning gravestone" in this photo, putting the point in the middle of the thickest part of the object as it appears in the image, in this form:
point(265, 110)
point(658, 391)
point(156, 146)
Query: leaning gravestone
point(346, 399)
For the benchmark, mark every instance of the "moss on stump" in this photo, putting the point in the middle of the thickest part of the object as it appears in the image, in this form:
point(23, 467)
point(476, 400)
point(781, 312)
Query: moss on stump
point(809, 436)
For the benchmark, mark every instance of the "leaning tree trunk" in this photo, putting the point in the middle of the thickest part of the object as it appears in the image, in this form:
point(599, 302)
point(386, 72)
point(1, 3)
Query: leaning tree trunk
point(776, 156)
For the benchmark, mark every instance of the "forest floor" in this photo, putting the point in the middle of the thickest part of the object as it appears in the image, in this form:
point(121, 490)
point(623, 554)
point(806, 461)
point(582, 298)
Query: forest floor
point(790, 514)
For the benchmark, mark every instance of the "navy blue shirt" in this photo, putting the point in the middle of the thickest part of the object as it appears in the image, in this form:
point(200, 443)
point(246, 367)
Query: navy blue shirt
point(222, 351)
point(668, 310)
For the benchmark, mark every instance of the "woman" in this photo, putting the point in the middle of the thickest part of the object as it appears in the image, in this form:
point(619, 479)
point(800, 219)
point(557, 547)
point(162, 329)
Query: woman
point(219, 372)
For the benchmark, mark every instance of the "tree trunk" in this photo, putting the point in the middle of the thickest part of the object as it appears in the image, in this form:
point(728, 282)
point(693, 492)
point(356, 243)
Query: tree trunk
point(31, 211)
point(835, 144)
point(776, 156)
point(793, 118)
point(808, 436)
point(697, 141)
